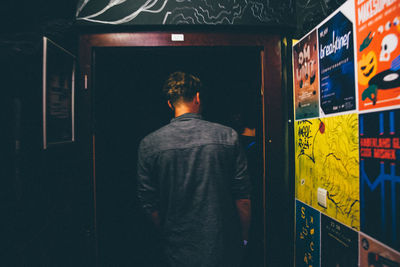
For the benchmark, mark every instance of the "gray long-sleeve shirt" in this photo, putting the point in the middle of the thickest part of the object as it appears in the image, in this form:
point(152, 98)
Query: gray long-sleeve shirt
point(192, 171)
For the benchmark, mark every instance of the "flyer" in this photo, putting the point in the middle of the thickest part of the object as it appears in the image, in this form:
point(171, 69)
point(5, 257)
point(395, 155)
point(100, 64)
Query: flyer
point(336, 63)
point(307, 235)
point(380, 176)
point(327, 159)
point(305, 72)
point(339, 244)
point(374, 253)
point(378, 53)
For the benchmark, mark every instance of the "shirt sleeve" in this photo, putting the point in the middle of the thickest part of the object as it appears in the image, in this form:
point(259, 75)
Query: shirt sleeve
point(146, 181)
point(241, 186)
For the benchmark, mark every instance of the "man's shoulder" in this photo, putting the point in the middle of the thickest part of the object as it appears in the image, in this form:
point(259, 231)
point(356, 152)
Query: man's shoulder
point(155, 136)
point(218, 133)
point(219, 127)
point(200, 132)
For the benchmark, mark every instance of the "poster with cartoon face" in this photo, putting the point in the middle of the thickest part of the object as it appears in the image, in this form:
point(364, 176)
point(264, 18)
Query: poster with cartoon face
point(305, 77)
point(378, 53)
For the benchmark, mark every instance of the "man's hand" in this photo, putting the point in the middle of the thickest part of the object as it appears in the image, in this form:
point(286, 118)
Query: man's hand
point(244, 210)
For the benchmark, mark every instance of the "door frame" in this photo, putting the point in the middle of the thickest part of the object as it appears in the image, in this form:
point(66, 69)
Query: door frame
point(272, 105)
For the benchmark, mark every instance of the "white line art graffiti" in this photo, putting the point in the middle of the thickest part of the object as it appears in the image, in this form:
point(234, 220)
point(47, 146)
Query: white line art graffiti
point(182, 11)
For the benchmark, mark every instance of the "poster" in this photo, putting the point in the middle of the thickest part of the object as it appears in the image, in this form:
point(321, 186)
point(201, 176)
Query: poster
point(378, 53)
point(374, 253)
point(380, 176)
point(336, 62)
point(326, 157)
point(339, 244)
point(305, 71)
point(307, 236)
point(58, 94)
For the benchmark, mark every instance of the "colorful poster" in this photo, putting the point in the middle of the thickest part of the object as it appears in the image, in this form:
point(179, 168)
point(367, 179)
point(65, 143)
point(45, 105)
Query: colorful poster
point(380, 176)
point(307, 236)
point(305, 72)
point(336, 63)
point(373, 253)
point(327, 160)
point(378, 53)
point(339, 244)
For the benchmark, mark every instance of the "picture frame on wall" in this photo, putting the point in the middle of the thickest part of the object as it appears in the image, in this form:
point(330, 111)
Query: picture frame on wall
point(59, 66)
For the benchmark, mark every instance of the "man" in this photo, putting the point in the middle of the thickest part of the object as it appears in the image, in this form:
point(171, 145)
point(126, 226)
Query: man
point(244, 123)
point(192, 180)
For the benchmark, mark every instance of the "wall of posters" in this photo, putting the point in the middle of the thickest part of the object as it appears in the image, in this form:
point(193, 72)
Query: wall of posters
point(326, 157)
point(307, 236)
point(336, 62)
point(305, 72)
point(378, 50)
point(380, 175)
point(347, 165)
point(339, 244)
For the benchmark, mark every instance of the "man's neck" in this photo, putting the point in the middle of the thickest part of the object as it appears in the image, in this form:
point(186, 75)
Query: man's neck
point(180, 110)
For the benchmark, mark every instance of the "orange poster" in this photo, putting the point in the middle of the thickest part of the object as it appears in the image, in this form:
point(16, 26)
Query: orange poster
point(378, 53)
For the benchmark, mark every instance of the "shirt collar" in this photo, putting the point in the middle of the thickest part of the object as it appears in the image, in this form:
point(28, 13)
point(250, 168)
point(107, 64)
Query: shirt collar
point(187, 116)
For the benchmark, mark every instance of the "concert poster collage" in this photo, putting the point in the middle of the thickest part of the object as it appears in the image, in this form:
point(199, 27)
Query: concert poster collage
point(346, 86)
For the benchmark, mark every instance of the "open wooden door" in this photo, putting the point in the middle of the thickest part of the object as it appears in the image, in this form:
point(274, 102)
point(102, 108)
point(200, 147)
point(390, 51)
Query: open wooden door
point(98, 50)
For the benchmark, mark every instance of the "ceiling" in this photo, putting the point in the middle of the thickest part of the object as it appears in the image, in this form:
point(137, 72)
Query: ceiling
point(31, 15)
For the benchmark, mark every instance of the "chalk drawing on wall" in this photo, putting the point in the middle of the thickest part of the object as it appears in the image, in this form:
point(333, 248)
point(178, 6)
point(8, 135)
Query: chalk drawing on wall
point(149, 6)
point(326, 157)
point(312, 12)
point(205, 12)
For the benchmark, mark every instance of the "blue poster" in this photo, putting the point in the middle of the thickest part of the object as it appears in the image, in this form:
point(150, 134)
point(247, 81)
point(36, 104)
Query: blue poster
point(336, 63)
point(307, 235)
point(380, 176)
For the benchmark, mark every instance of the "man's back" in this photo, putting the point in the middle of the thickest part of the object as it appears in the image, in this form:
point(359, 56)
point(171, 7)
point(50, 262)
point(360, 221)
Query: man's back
point(192, 171)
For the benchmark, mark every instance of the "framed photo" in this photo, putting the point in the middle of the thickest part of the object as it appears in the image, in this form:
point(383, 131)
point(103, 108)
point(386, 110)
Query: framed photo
point(58, 94)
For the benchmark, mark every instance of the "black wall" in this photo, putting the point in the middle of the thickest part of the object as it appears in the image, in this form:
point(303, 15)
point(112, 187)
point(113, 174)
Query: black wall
point(182, 12)
point(301, 15)
point(42, 192)
point(310, 13)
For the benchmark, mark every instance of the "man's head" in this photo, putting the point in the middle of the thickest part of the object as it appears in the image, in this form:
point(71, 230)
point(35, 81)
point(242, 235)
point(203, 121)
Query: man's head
point(182, 91)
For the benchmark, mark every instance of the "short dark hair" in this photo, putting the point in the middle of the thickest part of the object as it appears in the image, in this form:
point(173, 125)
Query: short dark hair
point(181, 86)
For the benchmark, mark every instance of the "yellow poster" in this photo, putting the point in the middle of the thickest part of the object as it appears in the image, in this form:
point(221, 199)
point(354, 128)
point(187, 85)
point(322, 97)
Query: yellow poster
point(327, 166)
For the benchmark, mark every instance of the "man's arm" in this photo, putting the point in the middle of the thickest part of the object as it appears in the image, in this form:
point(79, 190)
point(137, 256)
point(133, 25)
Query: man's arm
point(241, 190)
point(244, 210)
point(146, 186)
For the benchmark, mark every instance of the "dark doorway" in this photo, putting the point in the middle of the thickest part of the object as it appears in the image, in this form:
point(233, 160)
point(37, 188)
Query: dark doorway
point(128, 105)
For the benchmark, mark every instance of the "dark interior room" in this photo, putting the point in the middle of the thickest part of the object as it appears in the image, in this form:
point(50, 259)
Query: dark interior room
point(129, 105)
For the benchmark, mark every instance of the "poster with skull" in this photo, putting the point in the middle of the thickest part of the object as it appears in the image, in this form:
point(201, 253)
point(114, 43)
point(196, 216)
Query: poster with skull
point(378, 53)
